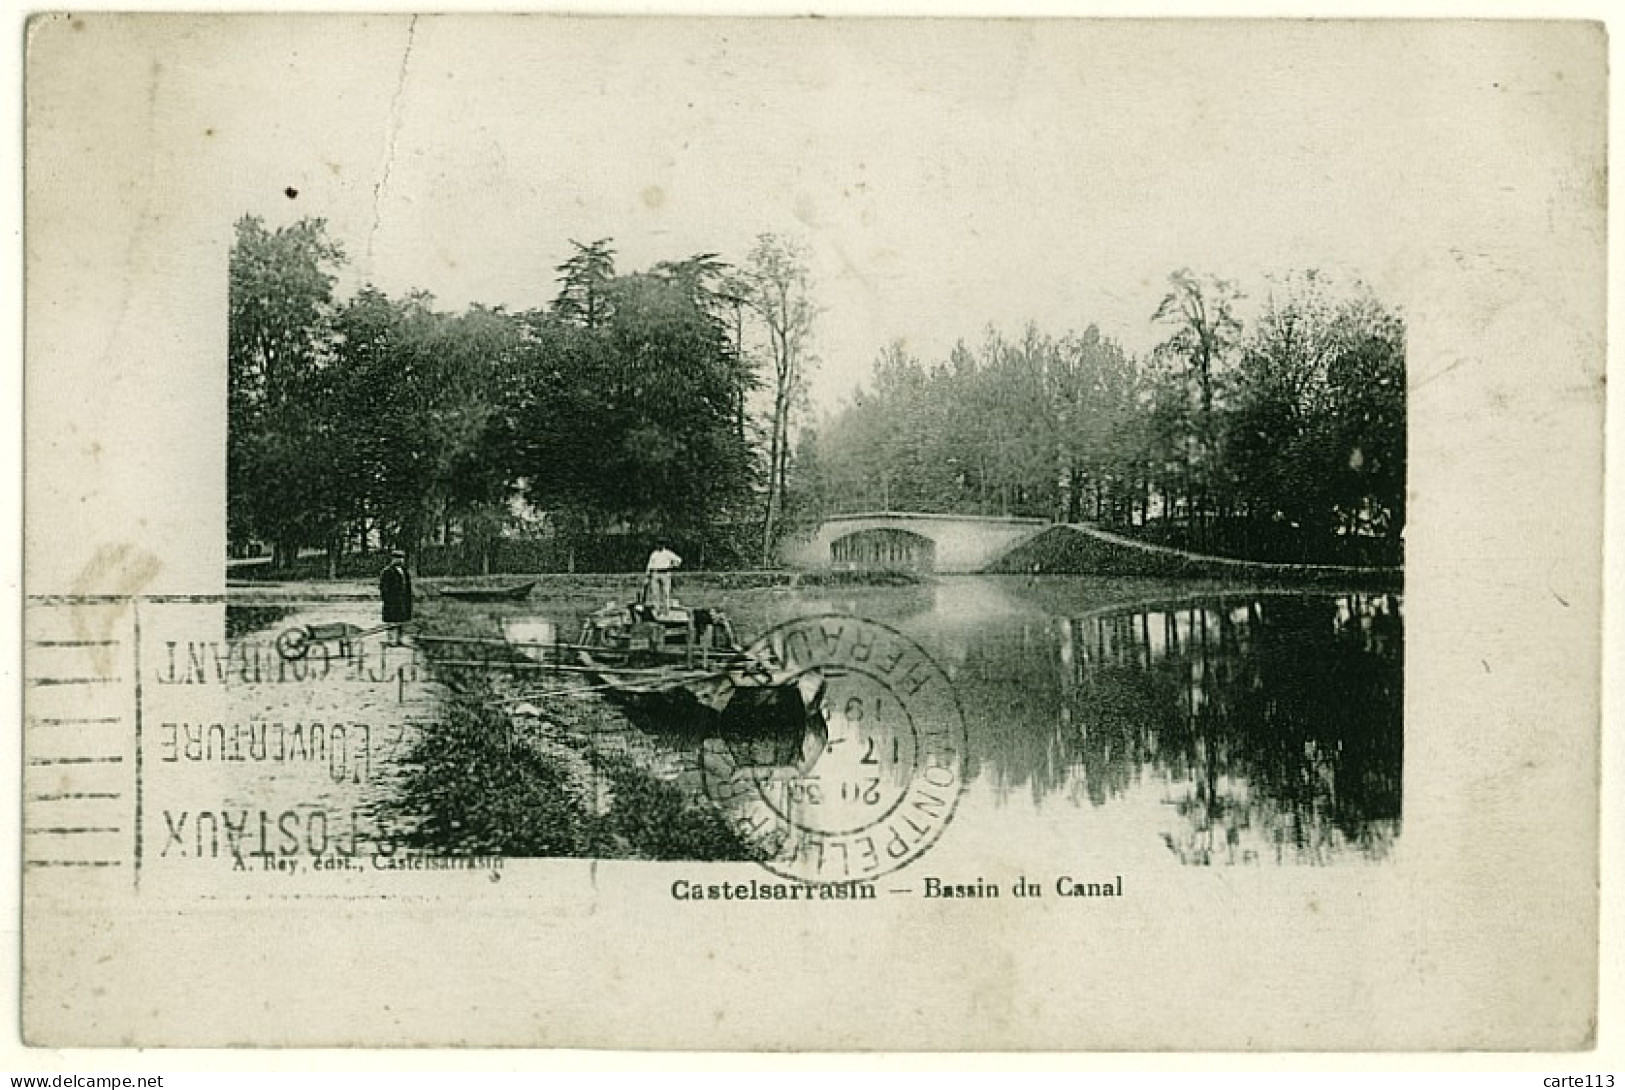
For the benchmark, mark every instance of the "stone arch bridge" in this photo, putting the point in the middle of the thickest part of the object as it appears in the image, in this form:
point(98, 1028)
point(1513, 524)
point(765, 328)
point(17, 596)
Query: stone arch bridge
point(910, 541)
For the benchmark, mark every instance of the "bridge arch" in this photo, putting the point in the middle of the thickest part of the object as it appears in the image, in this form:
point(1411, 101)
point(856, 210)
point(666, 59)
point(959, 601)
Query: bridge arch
point(913, 540)
point(884, 548)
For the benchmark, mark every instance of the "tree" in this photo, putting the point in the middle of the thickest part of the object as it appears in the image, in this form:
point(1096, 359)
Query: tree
point(1092, 405)
point(1016, 426)
point(631, 423)
point(1316, 435)
point(583, 279)
point(1201, 312)
point(1367, 378)
point(805, 501)
point(683, 462)
point(716, 290)
point(384, 389)
point(468, 427)
point(278, 333)
point(777, 289)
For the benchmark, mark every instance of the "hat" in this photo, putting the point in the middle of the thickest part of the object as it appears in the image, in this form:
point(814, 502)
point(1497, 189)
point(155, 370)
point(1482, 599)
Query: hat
point(397, 554)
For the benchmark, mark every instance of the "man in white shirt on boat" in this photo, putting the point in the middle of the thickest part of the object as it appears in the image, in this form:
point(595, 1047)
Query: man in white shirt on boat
point(662, 562)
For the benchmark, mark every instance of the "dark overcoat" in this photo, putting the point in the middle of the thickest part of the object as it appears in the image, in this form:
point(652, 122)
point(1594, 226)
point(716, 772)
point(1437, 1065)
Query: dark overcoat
point(396, 587)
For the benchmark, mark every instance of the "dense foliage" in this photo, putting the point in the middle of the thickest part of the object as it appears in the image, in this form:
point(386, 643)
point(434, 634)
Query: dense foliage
point(1285, 441)
point(666, 403)
point(620, 408)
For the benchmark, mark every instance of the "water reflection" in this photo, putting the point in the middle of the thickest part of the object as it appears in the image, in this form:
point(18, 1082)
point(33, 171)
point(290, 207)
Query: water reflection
point(1209, 728)
point(1270, 727)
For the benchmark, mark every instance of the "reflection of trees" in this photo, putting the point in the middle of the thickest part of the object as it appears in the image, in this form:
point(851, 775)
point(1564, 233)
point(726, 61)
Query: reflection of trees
point(1275, 723)
point(1318, 736)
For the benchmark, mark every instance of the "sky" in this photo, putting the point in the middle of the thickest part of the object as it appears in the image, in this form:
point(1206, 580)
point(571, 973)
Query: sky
point(943, 176)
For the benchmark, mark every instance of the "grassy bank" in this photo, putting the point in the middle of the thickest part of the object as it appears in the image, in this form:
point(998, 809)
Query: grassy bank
point(486, 781)
point(1063, 550)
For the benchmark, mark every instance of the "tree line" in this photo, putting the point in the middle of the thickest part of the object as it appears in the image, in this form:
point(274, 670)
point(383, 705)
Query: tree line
point(670, 402)
point(1282, 440)
point(620, 409)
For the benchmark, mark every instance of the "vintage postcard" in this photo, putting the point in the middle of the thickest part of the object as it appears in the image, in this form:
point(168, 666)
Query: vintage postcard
point(701, 533)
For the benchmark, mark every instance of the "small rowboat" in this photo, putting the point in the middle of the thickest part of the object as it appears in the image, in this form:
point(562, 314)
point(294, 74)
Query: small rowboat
point(489, 594)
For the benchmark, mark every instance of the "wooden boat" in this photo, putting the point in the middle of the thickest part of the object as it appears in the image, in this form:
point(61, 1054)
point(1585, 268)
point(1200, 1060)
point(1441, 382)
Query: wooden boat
point(489, 594)
point(683, 668)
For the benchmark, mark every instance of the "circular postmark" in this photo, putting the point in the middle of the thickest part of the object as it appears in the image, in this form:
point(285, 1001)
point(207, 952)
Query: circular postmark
point(882, 786)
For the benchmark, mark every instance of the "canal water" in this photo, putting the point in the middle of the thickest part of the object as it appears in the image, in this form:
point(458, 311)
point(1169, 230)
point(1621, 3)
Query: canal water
point(1119, 721)
point(1112, 725)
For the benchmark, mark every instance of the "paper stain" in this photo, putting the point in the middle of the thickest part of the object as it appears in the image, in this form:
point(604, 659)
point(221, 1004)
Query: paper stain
point(119, 570)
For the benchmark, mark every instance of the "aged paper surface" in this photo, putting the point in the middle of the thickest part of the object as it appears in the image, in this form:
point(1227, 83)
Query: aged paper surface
point(192, 885)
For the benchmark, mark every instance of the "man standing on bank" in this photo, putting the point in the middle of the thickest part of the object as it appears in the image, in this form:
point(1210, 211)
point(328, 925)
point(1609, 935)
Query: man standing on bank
point(662, 562)
point(395, 585)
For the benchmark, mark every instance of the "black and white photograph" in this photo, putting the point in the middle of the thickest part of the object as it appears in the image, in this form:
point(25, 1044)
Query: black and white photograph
point(1086, 530)
point(1148, 519)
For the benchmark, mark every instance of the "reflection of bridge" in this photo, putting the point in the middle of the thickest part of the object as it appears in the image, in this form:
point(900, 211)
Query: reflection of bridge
point(911, 541)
